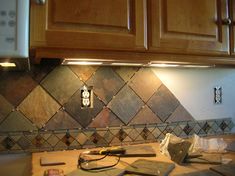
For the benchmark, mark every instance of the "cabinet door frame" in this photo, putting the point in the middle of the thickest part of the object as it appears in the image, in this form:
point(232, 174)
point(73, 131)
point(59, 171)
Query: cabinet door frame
point(134, 39)
point(156, 34)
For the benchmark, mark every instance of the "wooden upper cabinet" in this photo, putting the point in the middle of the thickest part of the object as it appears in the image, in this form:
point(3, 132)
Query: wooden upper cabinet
point(90, 24)
point(188, 26)
point(232, 14)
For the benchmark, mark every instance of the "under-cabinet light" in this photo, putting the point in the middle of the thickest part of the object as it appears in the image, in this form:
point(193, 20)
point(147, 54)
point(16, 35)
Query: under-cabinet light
point(82, 63)
point(164, 65)
point(7, 64)
point(126, 64)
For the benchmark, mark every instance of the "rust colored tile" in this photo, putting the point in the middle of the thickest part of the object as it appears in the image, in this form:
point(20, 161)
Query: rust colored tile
point(39, 107)
point(15, 86)
point(145, 116)
point(106, 83)
point(16, 122)
point(126, 72)
point(83, 116)
point(105, 119)
point(84, 72)
point(61, 83)
point(5, 108)
point(126, 104)
point(145, 83)
point(180, 114)
point(62, 120)
point(163, 103)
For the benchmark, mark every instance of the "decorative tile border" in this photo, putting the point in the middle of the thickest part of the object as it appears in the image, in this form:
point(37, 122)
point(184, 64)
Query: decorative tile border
point(35, 141)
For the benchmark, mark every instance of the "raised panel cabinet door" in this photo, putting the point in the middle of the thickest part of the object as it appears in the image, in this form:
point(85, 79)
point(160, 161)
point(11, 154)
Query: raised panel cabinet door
point(97, 24)
point(188, 26)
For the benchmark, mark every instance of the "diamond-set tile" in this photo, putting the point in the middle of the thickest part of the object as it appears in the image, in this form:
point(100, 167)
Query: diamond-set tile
point(105, 119)
point(126, 73)
point(145, 83)
point(62, 120)
point(61, 83)
point(39, 111)
point(5, 108)
point(8, 143)
point(145, 116)
point(163, 103)
point(83, 116)
point(180, 114)
point(84, 73)
point(16, 121)
point(106, 83)
point(126, 104)
point(15, 86)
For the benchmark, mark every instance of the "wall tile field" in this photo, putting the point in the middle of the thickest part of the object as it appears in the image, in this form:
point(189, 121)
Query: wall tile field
point(40, 110)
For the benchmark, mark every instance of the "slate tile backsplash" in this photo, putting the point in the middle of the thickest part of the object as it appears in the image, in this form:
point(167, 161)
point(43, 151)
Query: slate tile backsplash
point(41, 109)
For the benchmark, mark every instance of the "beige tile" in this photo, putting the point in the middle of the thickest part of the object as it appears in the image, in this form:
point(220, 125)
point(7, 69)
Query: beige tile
point(39, 107)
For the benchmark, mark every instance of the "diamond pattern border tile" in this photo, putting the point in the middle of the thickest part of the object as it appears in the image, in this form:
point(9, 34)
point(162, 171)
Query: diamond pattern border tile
point(102, 137)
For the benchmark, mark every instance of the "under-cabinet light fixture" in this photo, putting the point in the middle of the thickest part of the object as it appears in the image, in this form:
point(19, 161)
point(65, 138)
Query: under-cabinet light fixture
point(77, 62)
point(7, 64)
point(164, 65)
point(126, 64)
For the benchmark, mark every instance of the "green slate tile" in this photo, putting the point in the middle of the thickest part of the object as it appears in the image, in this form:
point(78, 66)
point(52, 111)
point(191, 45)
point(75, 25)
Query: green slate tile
point(62, 120)
point(5, 108)
point(61, 83)
point(145, 83)
point(53, 140)
point(83, 116)
point(16, 122)
point(126, 104)
point(39, 107)
point(163, 103)
point(24, 143)
point(106, 83)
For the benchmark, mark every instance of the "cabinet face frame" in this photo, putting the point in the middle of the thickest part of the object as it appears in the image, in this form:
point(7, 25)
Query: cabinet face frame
point(165, 37)
point(232, 27)
point(73, 34)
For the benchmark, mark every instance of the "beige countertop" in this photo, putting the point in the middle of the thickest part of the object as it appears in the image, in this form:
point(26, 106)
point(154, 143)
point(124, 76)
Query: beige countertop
point(71, 160)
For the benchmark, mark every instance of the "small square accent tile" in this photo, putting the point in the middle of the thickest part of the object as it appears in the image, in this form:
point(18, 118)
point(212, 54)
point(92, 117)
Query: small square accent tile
point(180, 114)
point(187, 129)
point(67, 139)
point(126, 73)
point(121, 135)
point(15, 86)
point(84, 72)
point(62, 120)
point(206, 127)
point(83, 116)
point(16, 121)
point(163, 103)
point(145, 83)
point(145, 116)
point(106, 83)
point(35, 110)
point(126, 104)
point(105, 119)
point(5, 108)
point(38, 141)
point(8, 143)
point(61, 83)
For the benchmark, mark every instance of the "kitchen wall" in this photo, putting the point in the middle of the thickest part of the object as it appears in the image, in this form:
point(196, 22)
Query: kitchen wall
point(196, 91)
point(41, 109)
